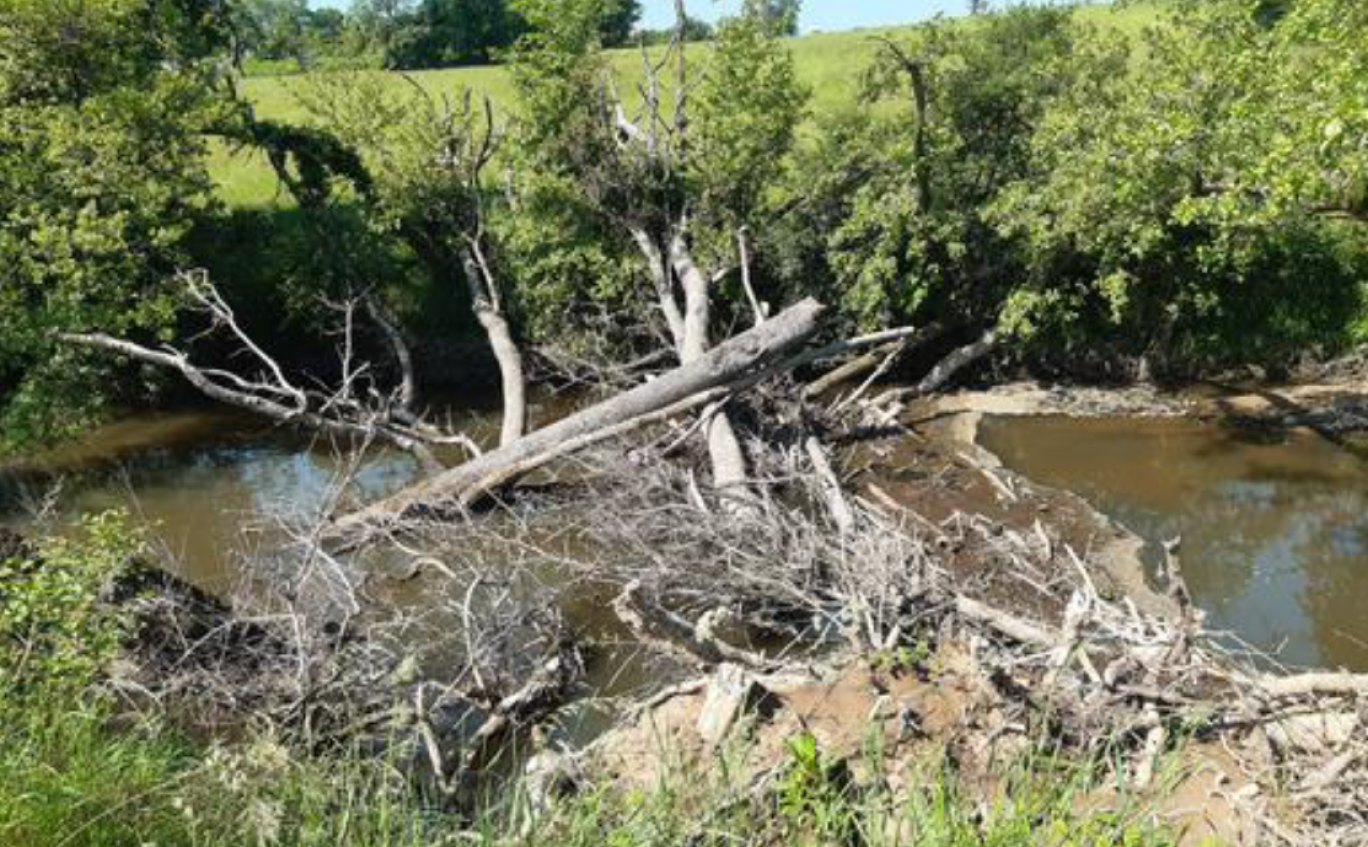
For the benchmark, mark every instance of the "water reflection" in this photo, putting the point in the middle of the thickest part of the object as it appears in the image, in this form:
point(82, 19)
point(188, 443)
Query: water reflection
point(1275, 525)
point(197, 479)
point(204, 481)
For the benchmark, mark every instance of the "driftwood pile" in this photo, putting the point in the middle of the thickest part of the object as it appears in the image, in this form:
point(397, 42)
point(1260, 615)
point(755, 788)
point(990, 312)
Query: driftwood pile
point(1091, 673)
point(799, 568)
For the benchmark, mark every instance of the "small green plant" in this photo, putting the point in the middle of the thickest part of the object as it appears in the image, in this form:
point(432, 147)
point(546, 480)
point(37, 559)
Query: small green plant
point(904, 659)
point(816, 792)
point(56, 632)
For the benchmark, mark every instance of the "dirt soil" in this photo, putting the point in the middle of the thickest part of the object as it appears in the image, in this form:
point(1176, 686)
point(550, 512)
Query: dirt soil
point(944, 718)
point(939, 471)
point(1336, 403)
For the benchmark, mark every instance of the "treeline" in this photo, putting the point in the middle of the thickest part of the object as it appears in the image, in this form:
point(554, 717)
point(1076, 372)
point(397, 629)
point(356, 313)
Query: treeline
point(397, 34)
point(415, 34)
point(1100, 204)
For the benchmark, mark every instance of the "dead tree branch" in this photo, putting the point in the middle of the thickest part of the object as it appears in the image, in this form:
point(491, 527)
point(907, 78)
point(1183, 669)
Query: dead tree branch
point(727, 363)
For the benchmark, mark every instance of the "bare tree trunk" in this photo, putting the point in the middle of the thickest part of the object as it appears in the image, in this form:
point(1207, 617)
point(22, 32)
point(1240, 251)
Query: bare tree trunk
point(870, 361)
point(724, 447)
point(403, 357)
point(484, 298)
point(944, 371)
point(956, 362)
point(723, 365)
point(511, 374)
point(660, 278)
point(697, 302)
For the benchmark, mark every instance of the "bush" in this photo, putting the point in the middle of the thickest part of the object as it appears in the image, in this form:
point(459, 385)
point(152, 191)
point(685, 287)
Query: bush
point(57, 635)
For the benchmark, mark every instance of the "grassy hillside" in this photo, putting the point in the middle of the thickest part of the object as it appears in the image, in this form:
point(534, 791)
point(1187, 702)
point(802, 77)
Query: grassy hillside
point(829, 63)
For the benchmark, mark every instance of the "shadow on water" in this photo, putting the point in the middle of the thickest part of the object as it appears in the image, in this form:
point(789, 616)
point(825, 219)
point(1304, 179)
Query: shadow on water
point(1274, 522)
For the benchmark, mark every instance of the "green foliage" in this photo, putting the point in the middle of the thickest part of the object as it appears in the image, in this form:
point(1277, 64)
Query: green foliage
point(458, 32)
point(57, 633)
point(274, 29)
point(581, 191)
point(816, 793)
point(619, 22)
point(572, 182)
point(774, 17)
point(448, 33)
point(1183, 211)
point(1187, 197)
point(68, 779)
point(101, 177)
point(419, 191)
point(745, 113)
point(897, 190)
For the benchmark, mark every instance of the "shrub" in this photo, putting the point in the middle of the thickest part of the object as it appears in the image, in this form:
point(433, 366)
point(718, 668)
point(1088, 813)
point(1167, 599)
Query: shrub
point(57, 635)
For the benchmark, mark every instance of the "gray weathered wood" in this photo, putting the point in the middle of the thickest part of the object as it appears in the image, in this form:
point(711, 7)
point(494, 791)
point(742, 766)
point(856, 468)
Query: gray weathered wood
point(724, 364)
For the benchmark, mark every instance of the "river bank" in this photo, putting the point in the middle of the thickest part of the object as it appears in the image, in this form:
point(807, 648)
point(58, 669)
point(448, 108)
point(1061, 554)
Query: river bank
point(980, 619)
point(1228, 780)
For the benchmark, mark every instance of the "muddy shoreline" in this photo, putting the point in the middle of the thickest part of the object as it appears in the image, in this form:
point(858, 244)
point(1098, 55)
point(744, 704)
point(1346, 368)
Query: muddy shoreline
point(1328, 409)
point(1221, 785)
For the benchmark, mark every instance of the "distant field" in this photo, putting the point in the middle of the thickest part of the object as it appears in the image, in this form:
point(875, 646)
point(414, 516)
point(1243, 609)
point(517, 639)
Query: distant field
point(829, 63)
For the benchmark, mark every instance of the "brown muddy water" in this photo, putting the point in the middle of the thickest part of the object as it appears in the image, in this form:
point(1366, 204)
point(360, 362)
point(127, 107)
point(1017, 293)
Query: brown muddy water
point(198, 479)
point(201, 480)
point(1274, 523)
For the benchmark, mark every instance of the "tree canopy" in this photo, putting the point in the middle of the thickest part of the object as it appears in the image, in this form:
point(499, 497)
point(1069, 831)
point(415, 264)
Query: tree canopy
point(102, 174)
point(775, 17)
point(1177, 201)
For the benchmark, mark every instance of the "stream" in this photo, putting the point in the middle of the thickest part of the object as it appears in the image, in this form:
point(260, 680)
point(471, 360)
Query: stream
point(1274, 523)
point(200, 481)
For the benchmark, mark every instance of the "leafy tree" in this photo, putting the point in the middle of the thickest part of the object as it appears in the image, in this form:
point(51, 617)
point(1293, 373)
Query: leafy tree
point(898, 197)
point(425, 161)
point(101, 177)
point(326, 26)
point(776, 17)
point(1174, 211)
point(674, 187)
point(383, 27)
point(619, 22)
point(58, 632)
point(288, 29)
point(711, 169)
point(459, 32)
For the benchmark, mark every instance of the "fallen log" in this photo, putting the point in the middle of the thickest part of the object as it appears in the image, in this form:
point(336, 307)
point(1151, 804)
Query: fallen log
point(1014, 628)
point(695, 643)
point(942, 373)
point(909, 339)
point(725, 364)
point(1316, 684)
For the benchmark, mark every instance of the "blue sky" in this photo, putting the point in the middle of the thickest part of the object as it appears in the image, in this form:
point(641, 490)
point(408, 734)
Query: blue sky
point(817, 14)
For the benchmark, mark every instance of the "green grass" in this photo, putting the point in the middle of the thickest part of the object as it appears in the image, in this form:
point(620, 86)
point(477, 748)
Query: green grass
point(69, 780)
point(830, 64)
point(65, 779)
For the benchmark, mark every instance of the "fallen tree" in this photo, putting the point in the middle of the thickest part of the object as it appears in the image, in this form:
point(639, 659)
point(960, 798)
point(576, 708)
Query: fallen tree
point(358, 407)
point(728, 363)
